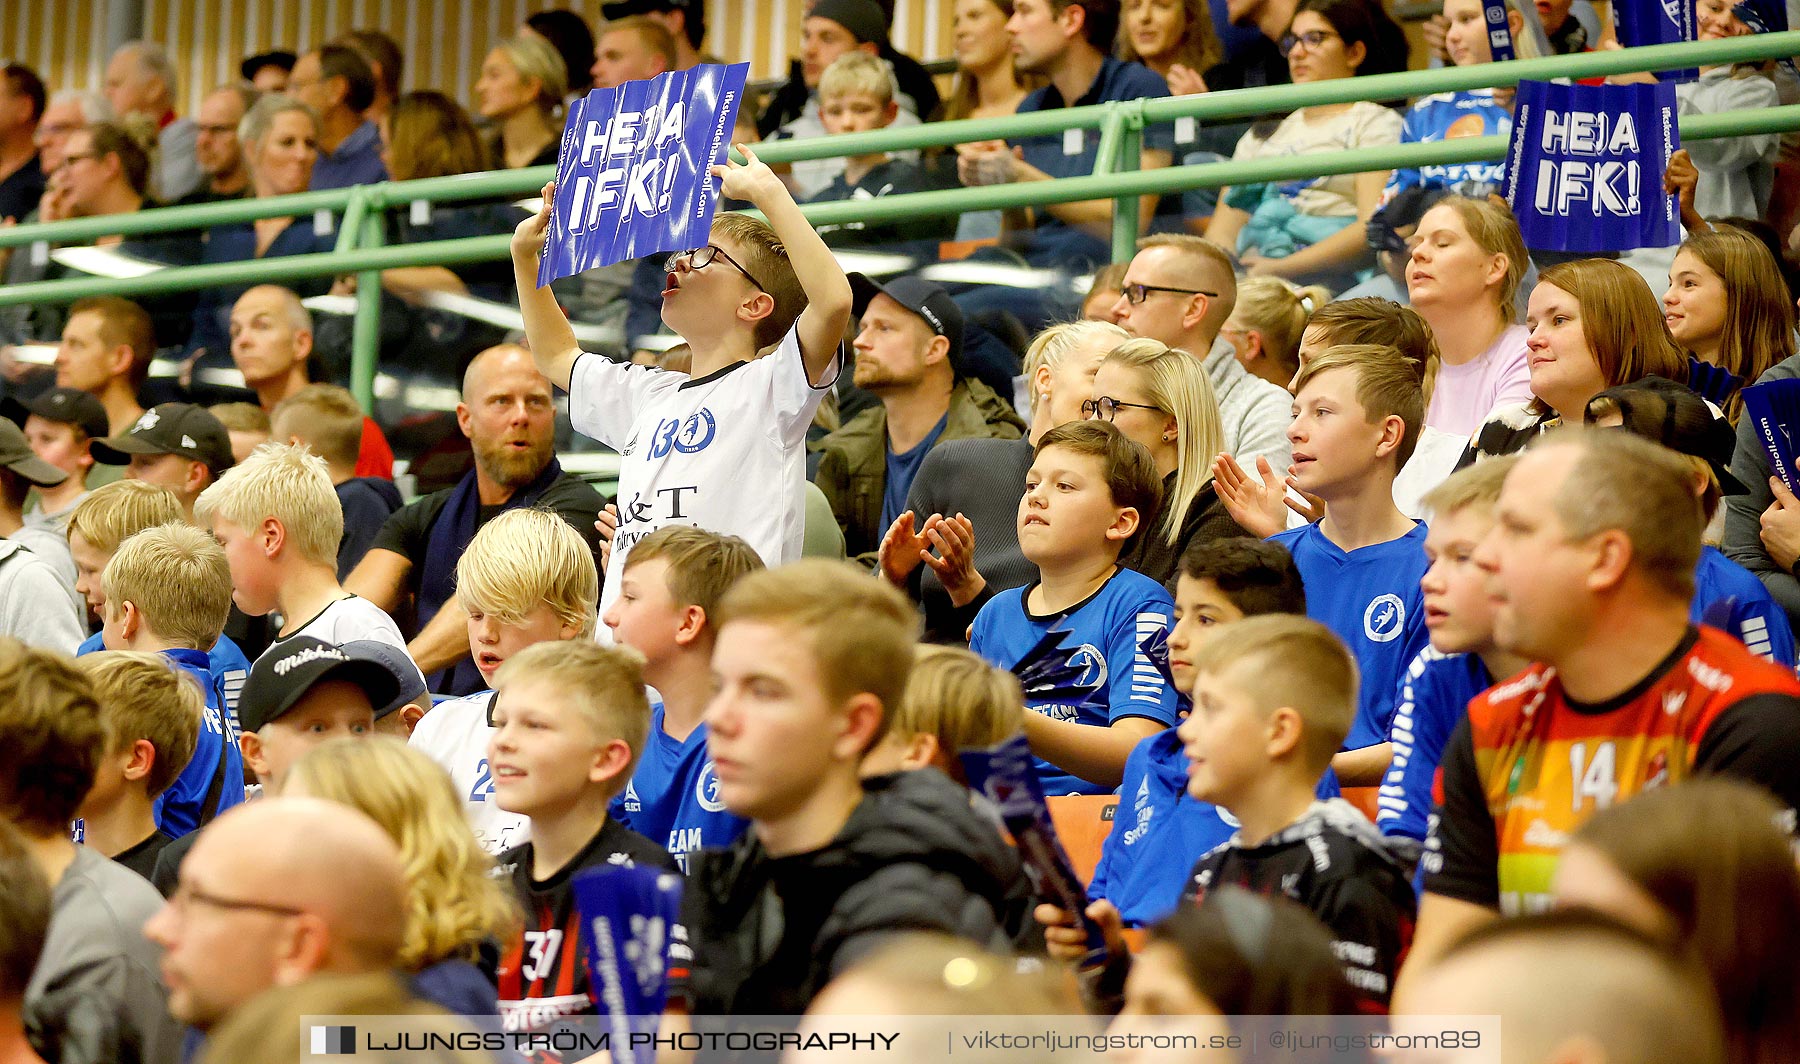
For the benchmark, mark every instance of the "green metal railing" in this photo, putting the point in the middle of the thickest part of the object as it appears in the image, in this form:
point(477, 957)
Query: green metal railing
point(360, 251)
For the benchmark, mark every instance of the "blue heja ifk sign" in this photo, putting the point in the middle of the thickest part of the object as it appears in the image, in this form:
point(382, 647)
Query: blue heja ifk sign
point(1585, 166)
point(634, 175)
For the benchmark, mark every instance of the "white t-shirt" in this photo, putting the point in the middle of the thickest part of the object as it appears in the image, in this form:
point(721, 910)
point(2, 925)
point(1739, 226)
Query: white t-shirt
point(350, 619)
point(724, 452)
point(455, 735)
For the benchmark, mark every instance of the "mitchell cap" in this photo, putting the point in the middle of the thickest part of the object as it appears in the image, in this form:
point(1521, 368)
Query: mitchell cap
point(289, 669)
point(17, 455)
point(1662, 411)
point(863, 18)
point(170, 428)
point(399, 662)
point(70, 406)
point(929, 301)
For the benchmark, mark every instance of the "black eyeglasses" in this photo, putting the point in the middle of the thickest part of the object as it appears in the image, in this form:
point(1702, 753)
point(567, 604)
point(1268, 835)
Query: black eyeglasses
point(186, 896)
point(1107, 408)
point(701, 258)
point(1137, 293)
point(1313, 39)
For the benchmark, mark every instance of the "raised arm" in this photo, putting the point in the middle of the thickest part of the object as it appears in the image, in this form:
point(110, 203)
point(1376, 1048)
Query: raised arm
point(828, 299)
point(547, 331)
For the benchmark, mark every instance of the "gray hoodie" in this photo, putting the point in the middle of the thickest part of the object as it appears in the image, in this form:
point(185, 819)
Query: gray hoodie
point(35, 603)
point(1255, 413)
point(1737, 174)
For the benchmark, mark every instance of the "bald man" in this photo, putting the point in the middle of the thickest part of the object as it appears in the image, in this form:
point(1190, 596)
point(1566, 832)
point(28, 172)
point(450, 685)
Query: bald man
point(1572, 986)
point(508, 415)
point(275, 892)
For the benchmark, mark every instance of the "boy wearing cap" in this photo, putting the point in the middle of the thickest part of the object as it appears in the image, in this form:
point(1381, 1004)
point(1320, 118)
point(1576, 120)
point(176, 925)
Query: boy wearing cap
point(298, 697)
point(177, 445)
point(168, 590)
point(38, 603)
point(1726, 595)
point(58, 424)
point(907, 355)
point(398, 716)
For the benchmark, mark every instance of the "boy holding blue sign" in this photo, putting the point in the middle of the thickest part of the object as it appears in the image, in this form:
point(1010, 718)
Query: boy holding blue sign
point(722, 448)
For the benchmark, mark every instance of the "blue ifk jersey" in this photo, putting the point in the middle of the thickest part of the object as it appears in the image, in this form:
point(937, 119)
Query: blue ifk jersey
point(225, 661)
point(673, 797)
point(1094, 663)
point(1729, 597)
point(1433, 696)
point(1370, 597)
point(1451, 116)
point(214, 776)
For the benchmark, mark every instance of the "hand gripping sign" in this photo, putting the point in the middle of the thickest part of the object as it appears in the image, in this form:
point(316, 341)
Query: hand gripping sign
point(1585, 166)
point(1642, 22)
point(634, 175)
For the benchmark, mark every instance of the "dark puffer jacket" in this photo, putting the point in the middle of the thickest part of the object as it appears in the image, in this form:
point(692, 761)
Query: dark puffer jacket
point(768, 933)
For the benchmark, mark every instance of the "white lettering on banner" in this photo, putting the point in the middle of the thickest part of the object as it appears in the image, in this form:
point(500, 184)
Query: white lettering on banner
point(645, 186)
point(1606, 186)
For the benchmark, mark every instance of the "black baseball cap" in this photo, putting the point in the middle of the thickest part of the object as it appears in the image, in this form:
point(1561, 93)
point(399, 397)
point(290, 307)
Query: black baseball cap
point(863, 18)
point(406, 671)
point(71, 406)
point(929, 301)
point(282, 59)
point(17, 455)
point(289, 669)
point(170, 428)
point(1662, 411)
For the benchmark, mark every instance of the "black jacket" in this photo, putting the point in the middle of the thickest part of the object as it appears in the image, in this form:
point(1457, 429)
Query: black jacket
point(768, 933)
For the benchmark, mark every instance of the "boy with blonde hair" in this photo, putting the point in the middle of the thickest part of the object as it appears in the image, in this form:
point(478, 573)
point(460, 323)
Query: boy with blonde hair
point(1081, 638)
point(1274, 697)
point(168, 591)
point(278, 518)
point(1358, 409)
point(954, 701)
point(856, 95)
point(665, 611)
point(725, 446)
point(327, 419)
point(152, 718)
point(528, 577)
point(811, 660)
point(570, 719)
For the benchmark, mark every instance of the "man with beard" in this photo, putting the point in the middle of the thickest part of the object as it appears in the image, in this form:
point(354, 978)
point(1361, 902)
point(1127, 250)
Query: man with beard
point(271, 341)
point(909, 355)
point(509, 417)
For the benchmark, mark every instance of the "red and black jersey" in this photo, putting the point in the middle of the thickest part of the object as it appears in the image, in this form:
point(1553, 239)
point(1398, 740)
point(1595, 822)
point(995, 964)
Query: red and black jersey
point(543, 974)
point(1529, 765)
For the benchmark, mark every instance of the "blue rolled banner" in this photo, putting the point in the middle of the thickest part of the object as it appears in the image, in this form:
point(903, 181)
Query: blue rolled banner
point(1585, 166)
point(630, 928)
point(1641, 22)
point(1007, 775)
point(1773, 408)
point(1499, 32)
point(634, 174)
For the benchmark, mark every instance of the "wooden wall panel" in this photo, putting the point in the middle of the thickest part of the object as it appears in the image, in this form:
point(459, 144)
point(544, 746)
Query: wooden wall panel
point(444, 40)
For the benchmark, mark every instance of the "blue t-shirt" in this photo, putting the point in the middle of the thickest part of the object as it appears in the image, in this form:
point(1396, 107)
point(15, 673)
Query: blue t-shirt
point(1370, 597)
point(1072, 154)
point(1449, 116)
point(673, 797)
point(901, 469)
point(1434, 695)
point(225, 661)
point(1729, 597)
point(1091, 664)
point(178, 809)
point(1159, 831)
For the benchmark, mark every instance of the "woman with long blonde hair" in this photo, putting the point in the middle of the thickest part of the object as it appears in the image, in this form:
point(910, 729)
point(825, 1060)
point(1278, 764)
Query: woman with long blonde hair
point(455, 906)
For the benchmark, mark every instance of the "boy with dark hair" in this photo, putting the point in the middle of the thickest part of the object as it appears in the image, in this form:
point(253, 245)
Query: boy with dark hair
point(1274, 697)
point(665, 611)
point(1081, 638)
point(811, 657)
point(724, 447)
point(1144, 860)
point(1357, 414)
point(94, 995)
point(168, 590)
point(152, 718)
point(569, 722)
